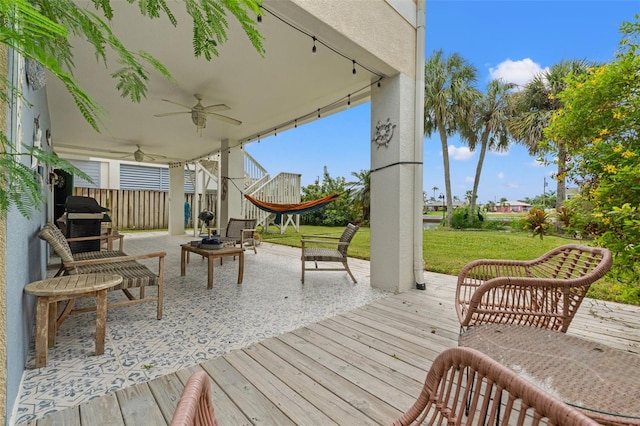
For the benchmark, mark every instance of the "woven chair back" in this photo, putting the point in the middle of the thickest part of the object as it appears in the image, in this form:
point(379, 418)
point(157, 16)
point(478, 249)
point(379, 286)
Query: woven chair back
point(464, 386)
point(346, 237)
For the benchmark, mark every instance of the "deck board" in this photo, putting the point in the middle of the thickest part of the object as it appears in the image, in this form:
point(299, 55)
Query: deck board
point(363, 367)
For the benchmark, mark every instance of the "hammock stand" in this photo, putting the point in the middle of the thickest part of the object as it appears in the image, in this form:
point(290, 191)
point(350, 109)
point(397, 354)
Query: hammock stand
point(290, 209)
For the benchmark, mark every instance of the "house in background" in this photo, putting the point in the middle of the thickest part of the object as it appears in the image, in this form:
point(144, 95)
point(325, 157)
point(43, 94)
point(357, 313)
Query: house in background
point(512, 207)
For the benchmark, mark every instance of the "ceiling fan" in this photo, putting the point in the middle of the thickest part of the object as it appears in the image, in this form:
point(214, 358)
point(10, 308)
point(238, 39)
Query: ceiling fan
point(138, 155)
point(199, 112)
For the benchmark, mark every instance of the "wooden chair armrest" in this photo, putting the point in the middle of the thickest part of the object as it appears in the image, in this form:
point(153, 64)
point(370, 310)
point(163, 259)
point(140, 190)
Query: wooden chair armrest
point(117, 259)
point(108, 238)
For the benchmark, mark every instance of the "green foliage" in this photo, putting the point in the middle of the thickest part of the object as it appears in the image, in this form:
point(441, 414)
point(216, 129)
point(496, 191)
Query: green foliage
point(360, 195)
point(600, 123)
point(464, 218)
point(538, 222)
point(40, 30)
point(337, 213)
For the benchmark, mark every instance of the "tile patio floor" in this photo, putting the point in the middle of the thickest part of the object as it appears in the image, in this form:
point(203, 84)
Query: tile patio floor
point(197, 325)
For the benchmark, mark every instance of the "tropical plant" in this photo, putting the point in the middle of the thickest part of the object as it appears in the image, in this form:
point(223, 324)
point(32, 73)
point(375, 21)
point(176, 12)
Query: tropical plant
point(360, 193)
point(538, 222)
point(533, 109)
point(337, 213)
point(40, 30)
point(448, 100)
point(491, 112)
point(600, 123)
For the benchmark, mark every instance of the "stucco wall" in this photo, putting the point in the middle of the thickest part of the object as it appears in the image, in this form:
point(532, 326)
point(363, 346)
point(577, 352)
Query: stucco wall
point(3, 250)
point(393, 40)
point(25, 258)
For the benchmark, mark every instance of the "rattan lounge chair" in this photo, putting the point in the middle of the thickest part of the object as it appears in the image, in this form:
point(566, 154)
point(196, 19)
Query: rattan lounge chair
point(545, 292)
point(195, 407)
point(324, 248)
point(134, 274)
point(464, 386)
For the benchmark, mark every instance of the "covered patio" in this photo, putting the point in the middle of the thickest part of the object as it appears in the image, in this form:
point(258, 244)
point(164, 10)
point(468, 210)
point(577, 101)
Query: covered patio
point(279, 352)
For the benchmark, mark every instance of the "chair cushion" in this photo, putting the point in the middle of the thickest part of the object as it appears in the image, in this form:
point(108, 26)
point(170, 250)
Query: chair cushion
point(133, 273)
point(323, 255)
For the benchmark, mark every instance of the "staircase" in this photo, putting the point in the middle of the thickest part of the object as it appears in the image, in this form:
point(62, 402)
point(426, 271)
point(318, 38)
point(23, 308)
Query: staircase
point(284, 188)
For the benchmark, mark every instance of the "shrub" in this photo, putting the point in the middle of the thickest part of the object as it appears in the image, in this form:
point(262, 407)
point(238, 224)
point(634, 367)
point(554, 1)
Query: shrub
point(537, 221)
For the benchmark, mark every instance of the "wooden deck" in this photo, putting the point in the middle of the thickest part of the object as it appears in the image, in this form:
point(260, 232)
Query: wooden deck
point(363, 367)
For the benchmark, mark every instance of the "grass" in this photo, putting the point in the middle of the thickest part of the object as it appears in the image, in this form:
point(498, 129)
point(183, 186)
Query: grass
point(447, 251)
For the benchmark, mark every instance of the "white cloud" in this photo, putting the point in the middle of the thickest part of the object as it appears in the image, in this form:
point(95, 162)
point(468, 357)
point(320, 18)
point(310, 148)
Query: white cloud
point(469, 179)
point(461, 153)
point(513, 185)
point(501, 175)
point(518, 72)
point(536, 163)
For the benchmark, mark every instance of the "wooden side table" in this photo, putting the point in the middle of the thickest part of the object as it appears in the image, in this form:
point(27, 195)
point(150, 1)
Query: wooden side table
point(53, 290)
point(211, 255)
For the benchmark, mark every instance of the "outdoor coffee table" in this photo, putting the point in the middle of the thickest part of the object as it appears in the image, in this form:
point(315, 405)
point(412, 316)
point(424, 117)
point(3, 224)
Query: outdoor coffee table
point(604, 383)
point(211, 255)
point(53, 290)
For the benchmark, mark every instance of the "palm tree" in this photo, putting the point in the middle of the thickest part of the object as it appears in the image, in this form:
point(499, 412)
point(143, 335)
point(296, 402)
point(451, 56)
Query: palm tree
point(361, 194)
point(448, 100)
point(535, 106)
point(491, 114)
point(435, 188)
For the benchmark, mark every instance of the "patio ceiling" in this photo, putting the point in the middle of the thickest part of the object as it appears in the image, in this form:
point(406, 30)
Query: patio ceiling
point(265, 93)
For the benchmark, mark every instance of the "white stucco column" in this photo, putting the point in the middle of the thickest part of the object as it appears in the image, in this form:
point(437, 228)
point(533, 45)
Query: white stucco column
point(232, 166)
point(176, 199)
point(393, 185)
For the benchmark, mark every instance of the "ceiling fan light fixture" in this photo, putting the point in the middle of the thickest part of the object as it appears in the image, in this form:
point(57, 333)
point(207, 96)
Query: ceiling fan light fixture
point(199, 119)
point(138, 155)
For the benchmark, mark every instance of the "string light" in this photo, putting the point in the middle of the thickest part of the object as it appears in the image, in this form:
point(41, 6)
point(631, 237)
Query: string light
point(296, 123)
point(349, 100)
point(318, 112)
point(275, 132)
point(315, 39)
point(259, 19)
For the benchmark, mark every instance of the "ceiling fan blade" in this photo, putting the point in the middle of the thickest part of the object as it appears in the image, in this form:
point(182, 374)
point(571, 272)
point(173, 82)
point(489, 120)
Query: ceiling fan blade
point(225, 118)
point(166, 114)
point(217, 107)
point(178, 103)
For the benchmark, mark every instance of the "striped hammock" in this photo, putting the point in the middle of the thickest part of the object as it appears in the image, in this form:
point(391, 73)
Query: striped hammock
point(297, 208)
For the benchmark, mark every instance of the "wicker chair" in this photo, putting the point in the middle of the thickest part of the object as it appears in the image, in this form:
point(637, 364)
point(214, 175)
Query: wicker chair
point(464, 386)
point(195, 407)
point(239, 232)
point(545, 292)
point(134, 274)
point(327, 249)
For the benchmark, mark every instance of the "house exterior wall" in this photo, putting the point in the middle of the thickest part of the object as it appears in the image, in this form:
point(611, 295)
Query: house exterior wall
point(4, 121)
point(26, 260)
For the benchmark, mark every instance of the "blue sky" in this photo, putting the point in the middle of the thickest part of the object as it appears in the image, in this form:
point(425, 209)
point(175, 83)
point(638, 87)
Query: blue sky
point(512, 40)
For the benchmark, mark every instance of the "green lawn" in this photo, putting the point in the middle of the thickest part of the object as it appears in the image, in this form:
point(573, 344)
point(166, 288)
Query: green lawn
point(448, 251)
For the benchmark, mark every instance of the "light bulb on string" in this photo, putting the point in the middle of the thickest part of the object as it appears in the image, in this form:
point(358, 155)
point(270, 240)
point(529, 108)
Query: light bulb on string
point(353, 71)
point(296, 123)
point(318, 112)
point(314, 49)
point(275, 132)
point(349, 100)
